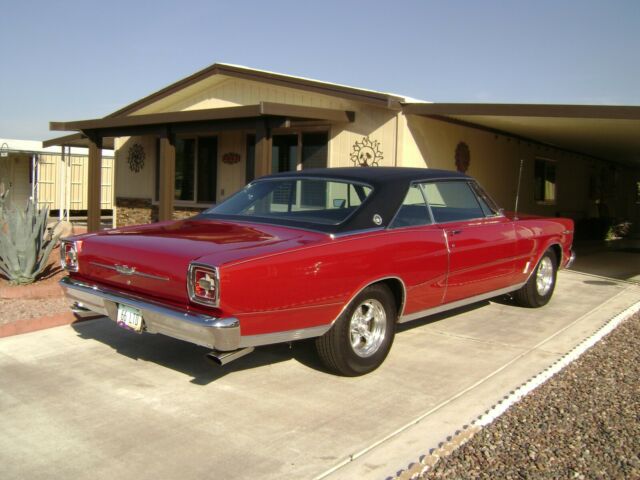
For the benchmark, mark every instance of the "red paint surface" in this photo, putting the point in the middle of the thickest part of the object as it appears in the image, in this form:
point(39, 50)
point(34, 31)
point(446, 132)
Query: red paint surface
point(276, 278)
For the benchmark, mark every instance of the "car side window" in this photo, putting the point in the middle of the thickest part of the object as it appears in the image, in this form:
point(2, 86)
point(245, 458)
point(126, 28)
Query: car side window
point(452, 201)
point(413, 211)
point(489, 207)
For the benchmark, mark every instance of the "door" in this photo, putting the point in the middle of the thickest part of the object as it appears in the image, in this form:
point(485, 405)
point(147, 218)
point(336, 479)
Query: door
point(481, 241)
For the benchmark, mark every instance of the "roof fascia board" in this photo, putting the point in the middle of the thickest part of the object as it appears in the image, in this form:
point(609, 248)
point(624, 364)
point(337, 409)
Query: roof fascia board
point(379, 99)
point(605, 112)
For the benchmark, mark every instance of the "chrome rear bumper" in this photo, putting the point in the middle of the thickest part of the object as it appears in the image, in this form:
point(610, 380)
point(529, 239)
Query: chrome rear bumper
point(222, 334)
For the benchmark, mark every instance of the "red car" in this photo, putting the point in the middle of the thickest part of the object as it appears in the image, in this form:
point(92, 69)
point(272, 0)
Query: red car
point(341, 255)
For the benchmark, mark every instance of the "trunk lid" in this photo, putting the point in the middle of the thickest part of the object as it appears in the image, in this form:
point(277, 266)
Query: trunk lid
point(153, 259)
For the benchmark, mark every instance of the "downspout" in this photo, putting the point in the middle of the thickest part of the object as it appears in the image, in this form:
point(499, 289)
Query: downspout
point(61, 186)
point(34, 178)
point(395, 162)
point(67, 185)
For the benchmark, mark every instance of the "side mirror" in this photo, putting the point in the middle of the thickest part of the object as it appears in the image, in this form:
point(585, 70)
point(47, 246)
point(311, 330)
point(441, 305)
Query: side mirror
point(339, 203)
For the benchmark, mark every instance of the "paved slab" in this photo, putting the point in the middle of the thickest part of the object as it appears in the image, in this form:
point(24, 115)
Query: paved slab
point(94, 401)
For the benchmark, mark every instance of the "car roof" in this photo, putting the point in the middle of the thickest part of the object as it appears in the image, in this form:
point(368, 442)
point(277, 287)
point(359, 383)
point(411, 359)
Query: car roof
point(390, 185)
point(375, 175)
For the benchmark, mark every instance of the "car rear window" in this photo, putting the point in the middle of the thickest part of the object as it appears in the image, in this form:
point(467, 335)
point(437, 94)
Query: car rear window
point(308, 200)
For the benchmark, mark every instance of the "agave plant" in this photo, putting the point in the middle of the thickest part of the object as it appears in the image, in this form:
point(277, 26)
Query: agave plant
point(3, 197)
point(25, 243)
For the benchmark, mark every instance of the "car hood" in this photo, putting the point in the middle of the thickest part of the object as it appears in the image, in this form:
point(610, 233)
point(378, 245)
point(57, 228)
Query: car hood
point(153, 259)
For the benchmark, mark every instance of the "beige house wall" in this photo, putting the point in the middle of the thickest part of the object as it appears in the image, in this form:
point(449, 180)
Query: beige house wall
point(136, 190)
point(584, 186)
point(58, 184)
point(495, 162)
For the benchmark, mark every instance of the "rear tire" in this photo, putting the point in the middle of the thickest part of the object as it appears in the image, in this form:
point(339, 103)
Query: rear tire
point(360, 339)
point(539, 288)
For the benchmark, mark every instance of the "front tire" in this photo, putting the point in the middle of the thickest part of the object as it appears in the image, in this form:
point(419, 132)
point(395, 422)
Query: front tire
point(362, 336)
point(539, 288)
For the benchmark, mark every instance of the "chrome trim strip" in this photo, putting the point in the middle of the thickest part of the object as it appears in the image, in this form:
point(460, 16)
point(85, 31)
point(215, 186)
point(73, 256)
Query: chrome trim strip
point(281, 337)
point(126, 270)
point(356, 232)
point(572, 259)
point(400, 308)
point(458, 303)
point(221, 334)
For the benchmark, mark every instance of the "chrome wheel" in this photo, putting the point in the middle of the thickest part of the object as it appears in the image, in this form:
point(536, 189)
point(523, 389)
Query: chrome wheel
point(367, 328)
point(544, 276)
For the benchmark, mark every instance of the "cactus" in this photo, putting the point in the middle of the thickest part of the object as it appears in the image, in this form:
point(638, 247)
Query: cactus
point(3, 197)
point(25, 243)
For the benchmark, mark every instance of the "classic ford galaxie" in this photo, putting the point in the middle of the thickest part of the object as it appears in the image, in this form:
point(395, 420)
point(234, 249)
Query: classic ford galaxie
point(340, 255)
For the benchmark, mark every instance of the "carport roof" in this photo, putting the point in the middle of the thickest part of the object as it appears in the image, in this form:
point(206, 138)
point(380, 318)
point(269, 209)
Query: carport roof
point(610, 132)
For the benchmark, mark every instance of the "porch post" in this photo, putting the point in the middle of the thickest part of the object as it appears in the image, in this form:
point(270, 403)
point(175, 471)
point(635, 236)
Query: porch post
point(95, 185)
point(263, 149)
point(167, 175)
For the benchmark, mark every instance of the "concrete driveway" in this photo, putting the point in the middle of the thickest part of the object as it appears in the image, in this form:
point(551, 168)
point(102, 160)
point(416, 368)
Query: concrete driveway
point(93, 401)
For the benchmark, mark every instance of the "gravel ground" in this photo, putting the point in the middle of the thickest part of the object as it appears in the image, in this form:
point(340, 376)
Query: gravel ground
point(583, 423)
point(18, 309)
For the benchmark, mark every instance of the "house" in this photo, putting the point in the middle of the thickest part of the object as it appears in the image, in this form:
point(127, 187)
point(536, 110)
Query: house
point(55, 178)
point(201, 139)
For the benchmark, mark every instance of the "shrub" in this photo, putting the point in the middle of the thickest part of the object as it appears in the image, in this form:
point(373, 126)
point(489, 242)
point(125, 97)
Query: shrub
point(25, 243)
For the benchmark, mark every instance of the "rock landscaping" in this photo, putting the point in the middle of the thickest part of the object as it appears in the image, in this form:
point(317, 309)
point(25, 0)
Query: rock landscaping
point(583, 423)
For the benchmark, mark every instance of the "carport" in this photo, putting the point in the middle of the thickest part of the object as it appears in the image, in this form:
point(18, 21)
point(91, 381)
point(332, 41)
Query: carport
point(598, 132)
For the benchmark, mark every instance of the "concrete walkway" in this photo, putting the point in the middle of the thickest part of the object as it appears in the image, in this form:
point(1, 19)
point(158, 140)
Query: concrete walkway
point(91, 401)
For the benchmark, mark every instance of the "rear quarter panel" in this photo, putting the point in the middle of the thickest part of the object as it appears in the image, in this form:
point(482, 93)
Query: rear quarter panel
point(309, 287)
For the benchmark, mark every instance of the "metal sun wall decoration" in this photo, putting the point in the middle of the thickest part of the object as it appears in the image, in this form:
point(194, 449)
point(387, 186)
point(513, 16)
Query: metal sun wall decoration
point(366, 153)
point(135, 157)
point(463, 157)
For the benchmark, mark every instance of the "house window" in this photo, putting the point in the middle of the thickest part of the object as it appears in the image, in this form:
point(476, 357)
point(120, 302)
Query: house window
point(545, 181)
point(196, 169)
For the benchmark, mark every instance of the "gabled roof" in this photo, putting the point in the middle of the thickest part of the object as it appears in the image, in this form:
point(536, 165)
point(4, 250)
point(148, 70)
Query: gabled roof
point(381, 99)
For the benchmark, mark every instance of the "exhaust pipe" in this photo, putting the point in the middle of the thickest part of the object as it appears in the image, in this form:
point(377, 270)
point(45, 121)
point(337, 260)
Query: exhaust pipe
point(222, 358)
point(80, 310)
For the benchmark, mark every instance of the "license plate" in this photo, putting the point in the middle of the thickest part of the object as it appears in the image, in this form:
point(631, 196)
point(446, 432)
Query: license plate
point(129, 318)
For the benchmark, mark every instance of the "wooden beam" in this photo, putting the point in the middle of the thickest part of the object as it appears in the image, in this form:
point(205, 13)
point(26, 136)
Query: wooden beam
point(94, 186)
point(263, 149)
point(117, 126)
point(310, 113)
point(608, 112)
point(159, 118)
point(167, 178)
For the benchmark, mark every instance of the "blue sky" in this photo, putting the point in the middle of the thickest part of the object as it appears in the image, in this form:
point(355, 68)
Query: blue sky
point(71, 60)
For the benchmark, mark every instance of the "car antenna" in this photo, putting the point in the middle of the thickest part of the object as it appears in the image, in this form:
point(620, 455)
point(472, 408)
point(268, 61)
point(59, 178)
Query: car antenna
point(515, 208)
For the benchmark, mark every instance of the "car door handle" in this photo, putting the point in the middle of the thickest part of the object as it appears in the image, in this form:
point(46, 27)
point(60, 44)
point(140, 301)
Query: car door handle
point(455, 232)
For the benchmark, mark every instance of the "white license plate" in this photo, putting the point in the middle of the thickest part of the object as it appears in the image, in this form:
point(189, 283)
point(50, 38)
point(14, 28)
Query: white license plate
point(129, 318)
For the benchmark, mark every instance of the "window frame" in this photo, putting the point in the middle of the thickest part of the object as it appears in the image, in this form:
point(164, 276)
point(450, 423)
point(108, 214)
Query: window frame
point(545, 201)
point(194, 202)
point(424, 199)
point(294, 222)
point(469, 183)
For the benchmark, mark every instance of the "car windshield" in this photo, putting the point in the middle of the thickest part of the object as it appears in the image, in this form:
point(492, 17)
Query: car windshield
point(305, 200)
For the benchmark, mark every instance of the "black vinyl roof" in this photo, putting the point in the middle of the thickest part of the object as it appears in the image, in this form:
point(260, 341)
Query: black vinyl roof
point(375, 175)
point(390, 185)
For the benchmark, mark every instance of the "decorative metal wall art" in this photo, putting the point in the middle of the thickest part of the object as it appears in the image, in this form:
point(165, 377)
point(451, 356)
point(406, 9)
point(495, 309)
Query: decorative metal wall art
point(366, 153)
point(230, 158)
point(463, 157)
point(135, 157)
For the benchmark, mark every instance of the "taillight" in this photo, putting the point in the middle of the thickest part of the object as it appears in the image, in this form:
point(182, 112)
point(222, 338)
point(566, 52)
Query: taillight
point(204, 284)
point(69, 256)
